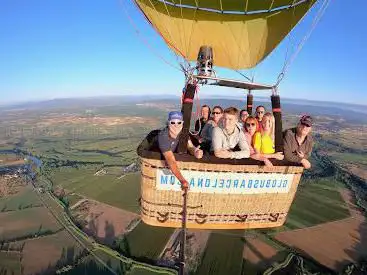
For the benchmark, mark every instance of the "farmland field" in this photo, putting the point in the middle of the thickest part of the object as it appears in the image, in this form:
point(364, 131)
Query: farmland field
point(26, 222)
point(26, 198)
point(223, 255)
point(76, 141)
point(10, 263)
point(46, 251)
point(147, 241)
point(317, 201)
point(105, 188)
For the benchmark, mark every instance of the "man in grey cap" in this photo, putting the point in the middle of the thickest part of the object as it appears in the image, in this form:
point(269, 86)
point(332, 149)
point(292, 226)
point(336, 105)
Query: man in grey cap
point(168, 139)
point(298, 142)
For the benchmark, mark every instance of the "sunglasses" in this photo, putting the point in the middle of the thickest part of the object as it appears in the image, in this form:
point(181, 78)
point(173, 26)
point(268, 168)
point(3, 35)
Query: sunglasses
point(216, 113)
point(175, 122)
point(260, 112)
point(305, 125)
point(250, 124)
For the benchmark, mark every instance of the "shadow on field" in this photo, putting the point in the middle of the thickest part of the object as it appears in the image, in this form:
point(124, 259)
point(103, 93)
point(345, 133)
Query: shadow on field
point(109, 231)
point(359, 252)
point(83, 263)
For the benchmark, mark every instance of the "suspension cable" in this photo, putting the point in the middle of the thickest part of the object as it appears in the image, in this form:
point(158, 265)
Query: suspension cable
point(316, 20)
point(144, 40)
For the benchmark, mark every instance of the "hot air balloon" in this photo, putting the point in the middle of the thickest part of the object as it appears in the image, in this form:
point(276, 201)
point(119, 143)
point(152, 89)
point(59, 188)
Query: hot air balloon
point(227, 193)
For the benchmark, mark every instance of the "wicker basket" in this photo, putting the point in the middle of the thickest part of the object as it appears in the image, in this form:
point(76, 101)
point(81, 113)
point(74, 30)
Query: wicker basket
point(215, 210)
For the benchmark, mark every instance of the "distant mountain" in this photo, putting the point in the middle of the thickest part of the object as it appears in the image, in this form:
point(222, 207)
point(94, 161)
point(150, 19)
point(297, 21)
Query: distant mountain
point(350, 111)
point(84, 102)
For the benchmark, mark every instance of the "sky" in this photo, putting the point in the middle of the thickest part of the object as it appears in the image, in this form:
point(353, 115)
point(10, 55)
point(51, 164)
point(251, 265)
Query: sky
point(67, 48)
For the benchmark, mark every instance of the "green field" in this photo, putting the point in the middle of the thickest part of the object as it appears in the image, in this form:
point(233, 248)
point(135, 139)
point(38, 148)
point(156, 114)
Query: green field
point(148, 241)
point(27, 222)
point(27, 198)
point(349, 158)
point(73, 199)
point(10, 263)
point(223, 255)
point(123, 193)
point(317, 201)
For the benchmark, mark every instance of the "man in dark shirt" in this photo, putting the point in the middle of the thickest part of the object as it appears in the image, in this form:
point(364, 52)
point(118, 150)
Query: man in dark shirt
point(205, 115)
point(298, 142)
point(168, 140)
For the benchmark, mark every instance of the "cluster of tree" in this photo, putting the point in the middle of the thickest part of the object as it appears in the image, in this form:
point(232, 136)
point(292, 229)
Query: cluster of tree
point(297, 265)
point(359, 268)
point(33, 234)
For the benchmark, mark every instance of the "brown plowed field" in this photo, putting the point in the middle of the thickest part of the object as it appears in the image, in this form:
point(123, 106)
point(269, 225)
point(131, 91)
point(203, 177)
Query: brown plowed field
point(332, 244)
point(258, 252)
point(11, 186)
point(104, 221)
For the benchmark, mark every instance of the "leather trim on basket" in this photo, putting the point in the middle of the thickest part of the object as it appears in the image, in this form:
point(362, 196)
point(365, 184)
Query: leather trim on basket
point(162, 217)
point(274, 217)
point(171, 204)
point(241, 218)
point(201, 218)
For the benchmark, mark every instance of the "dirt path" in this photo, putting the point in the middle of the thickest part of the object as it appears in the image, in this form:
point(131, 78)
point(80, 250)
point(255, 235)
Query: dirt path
point(335, 243)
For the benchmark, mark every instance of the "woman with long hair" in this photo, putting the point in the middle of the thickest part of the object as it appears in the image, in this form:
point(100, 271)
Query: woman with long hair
point(263, 142)
point(206, 133)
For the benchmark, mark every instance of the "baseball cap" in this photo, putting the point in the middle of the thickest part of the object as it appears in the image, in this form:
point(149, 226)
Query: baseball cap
point(306, 120)
point(175, 115)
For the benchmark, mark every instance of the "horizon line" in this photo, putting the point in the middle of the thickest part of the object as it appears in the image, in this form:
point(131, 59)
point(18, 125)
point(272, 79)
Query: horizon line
point(168, 96)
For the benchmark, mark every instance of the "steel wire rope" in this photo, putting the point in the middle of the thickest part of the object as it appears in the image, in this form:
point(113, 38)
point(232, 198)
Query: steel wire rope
point(160, 34)
point(145, 41)
point(315, 21)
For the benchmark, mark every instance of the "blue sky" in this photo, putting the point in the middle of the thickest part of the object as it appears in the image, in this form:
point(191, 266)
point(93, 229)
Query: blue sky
point(65, 48)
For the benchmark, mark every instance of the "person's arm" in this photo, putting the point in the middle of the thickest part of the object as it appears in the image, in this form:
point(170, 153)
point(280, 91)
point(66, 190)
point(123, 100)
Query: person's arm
point(165, 148)
point(172, 164)
point(195, 151)
point(245, 150)
point(288, 149)
point(277, 155)
point(309, 147)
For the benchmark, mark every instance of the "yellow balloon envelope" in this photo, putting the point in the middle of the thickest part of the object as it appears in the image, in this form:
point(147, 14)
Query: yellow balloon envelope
point(241, 33)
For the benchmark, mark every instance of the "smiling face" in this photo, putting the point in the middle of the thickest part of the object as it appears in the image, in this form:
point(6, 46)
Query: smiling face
point(244, 116)
point(205, 112)
point(229, 122)
point(251, 125)
point(175, 127)
point(303, 130)
point(217, 114)
point(260, 111)
point(267, 123)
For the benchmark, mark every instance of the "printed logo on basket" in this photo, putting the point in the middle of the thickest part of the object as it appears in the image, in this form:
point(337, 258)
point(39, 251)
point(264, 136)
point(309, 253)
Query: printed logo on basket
point(221, 182)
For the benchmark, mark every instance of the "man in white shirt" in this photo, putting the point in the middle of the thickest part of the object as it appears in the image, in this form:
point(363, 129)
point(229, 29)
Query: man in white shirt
point(230, 135)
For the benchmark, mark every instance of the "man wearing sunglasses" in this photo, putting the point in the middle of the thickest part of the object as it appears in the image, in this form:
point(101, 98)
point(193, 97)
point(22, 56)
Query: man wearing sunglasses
point(168, 140)
point(298, 142)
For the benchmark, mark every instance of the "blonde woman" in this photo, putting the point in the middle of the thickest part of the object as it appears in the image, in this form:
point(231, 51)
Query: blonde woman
point(264, 140)
point(250, 126)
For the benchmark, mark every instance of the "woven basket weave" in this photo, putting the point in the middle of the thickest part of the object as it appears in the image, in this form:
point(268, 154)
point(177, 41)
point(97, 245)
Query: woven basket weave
point(215, 211)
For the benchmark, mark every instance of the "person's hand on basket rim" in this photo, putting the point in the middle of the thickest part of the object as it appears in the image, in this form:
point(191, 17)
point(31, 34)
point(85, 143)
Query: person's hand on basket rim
point(184, 185)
